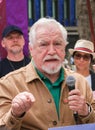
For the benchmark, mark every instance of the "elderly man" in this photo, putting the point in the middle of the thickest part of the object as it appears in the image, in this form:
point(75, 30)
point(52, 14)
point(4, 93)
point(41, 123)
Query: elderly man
point(36, 97)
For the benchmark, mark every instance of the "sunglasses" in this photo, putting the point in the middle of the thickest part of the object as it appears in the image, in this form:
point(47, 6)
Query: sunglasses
point(79, 56)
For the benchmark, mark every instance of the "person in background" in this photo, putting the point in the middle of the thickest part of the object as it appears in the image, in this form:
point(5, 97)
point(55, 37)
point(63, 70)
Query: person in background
point(13, 41)
point(83, 55)
point(36, 97)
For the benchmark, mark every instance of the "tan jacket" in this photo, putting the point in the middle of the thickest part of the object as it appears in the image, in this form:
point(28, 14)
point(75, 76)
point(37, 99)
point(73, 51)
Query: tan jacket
point(42, 114)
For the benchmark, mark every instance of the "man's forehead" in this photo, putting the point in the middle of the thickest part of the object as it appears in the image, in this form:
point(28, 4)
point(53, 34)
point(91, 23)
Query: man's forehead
point(48, 26)
point(49, 29)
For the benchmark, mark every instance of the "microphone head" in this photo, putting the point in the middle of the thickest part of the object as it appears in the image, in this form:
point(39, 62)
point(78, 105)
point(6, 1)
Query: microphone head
point(70, 81)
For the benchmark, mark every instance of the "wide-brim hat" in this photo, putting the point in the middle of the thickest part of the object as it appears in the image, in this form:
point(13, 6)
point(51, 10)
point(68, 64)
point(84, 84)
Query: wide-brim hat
point(11, 28)
point(85, 46)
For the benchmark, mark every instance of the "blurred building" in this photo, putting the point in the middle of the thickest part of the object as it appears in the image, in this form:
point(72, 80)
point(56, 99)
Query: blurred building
point(83, 18)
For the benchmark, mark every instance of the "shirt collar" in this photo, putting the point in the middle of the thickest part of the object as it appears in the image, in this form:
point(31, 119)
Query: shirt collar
point(59, 80)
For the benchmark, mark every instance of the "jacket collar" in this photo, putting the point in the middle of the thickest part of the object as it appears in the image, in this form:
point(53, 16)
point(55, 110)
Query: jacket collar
point(31, 73)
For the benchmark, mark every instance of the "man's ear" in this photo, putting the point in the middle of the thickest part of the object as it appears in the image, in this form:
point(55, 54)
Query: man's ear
point(30, 49)
point(2, 43)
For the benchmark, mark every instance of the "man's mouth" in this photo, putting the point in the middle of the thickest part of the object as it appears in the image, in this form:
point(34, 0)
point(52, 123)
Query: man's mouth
point(49, 60)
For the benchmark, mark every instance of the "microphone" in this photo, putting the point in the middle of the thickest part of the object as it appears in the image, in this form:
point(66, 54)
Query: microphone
point(70, 81)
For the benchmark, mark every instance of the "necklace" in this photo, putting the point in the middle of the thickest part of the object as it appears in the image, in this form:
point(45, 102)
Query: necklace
point(19, 63)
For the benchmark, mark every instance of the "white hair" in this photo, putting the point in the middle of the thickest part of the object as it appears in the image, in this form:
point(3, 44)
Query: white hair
point(41, 21)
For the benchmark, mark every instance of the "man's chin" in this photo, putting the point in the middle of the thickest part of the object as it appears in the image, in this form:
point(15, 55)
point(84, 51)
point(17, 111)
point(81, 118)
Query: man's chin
point(16, 51)
point(51, 70)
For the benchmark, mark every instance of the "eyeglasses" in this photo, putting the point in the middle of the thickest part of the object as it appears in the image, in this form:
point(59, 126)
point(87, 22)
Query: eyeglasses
point(79, 56)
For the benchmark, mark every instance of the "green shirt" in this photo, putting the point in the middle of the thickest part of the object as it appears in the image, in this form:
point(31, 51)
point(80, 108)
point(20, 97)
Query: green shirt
point(54, 88)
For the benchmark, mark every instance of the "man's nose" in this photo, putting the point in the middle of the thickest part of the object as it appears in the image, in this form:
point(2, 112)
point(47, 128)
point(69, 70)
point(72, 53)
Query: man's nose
point(15, 38)
point(51, 49)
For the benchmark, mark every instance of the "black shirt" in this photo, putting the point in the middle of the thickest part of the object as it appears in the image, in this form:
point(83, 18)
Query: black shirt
point(7, 66)
point(92, 80)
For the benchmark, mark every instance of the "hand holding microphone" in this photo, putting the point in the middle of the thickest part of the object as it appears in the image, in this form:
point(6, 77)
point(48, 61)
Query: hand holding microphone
point(76, 101)
point(70, 81)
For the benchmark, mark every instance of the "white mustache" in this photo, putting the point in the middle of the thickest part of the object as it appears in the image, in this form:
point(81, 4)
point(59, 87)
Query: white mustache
point(51, 57)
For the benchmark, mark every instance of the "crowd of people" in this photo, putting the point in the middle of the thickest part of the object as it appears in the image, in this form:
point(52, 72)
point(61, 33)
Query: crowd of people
point(36, 96)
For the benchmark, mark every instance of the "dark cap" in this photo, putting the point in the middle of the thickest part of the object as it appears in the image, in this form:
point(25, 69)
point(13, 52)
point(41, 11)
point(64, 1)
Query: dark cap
point(9, 29)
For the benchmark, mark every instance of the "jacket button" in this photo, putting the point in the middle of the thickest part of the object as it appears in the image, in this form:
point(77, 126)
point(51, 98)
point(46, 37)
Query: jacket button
point(54, 122)
point(65, 101)
point(49, 100)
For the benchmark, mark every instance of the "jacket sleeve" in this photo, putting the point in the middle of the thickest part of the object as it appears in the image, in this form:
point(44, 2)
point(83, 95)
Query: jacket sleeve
point(10, 122)
point(86, 90)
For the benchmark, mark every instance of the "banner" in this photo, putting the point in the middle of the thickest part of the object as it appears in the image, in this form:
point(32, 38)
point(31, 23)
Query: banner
point(2, 25)
point(15, 12)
